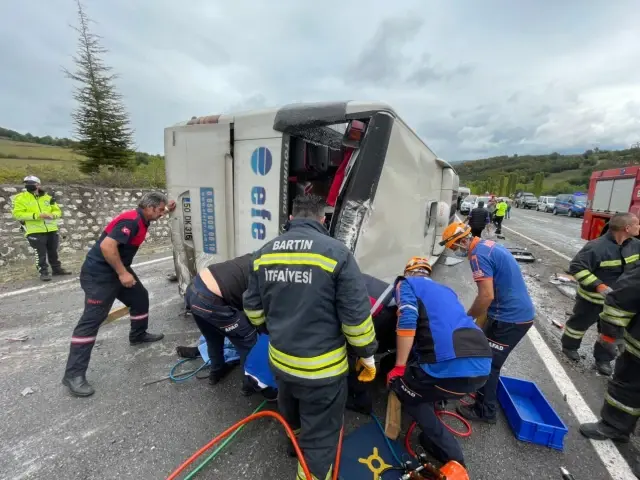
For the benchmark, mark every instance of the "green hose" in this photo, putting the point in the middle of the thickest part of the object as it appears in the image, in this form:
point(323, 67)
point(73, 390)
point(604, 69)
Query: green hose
point(222, 446)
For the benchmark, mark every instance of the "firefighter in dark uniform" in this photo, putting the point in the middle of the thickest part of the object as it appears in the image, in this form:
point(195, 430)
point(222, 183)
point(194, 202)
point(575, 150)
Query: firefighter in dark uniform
point(620, 318)
point(307, 289)
point(215, 300)
point(105, 276)
point(596, 268)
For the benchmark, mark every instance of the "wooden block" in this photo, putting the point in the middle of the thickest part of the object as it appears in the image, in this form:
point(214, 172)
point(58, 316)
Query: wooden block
point(393, 420)
point(116, 314)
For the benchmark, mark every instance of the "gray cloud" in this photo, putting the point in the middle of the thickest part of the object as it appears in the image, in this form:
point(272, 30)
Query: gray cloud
point(470, 77)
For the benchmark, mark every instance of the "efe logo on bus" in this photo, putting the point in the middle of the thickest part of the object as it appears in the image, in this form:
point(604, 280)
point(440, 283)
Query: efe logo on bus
point(261, 162)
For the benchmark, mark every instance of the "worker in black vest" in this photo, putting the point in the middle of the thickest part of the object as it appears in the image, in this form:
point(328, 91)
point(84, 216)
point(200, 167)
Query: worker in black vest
point(478, 219)
point(596, 267)
point(215, 300)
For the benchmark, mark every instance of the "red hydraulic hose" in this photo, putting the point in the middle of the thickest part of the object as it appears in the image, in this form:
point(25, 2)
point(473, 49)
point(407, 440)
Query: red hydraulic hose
point(242, 422)
point(439, 414)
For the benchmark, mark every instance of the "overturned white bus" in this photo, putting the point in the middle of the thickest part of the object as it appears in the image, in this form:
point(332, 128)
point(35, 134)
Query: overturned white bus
point(234, 177)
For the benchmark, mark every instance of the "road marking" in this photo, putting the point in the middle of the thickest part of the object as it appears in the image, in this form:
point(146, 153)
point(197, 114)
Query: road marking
point(615, 463)
point(561, 255)
point(55, 284)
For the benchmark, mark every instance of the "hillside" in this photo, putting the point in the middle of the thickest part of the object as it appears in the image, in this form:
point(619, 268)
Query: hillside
point(54, 162)
point(562, 173)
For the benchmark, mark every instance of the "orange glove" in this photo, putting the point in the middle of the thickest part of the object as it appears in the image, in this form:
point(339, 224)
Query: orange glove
point(603, 289)
point(367, 369)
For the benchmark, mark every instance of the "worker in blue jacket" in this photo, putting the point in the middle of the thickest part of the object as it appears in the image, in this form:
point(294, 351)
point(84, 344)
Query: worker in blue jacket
point(441, 354)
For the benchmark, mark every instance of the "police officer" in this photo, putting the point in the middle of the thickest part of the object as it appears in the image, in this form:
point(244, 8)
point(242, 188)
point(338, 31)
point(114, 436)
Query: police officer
point(596, 267)
point(451, 355)
point(307, 289)
point(620, 318)
point(478, 219)
point(215, 300)
point(105, 276)
point(39, 213)
point(498, 217)
point(502, 303)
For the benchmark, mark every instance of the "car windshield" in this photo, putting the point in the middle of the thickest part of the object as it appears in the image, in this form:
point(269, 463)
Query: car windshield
point(470, 198)
point(483, 199)
point(551, 199)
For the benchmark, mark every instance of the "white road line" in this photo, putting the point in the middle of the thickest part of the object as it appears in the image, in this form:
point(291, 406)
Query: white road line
point(615, 463)
point(561, 255)
point(609, 454)
point(56, 284)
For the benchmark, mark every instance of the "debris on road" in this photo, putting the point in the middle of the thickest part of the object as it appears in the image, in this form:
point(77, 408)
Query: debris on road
point(27, 391)
point(522, 255)
point(556, 323)
point(22, 338)
point(565, 283)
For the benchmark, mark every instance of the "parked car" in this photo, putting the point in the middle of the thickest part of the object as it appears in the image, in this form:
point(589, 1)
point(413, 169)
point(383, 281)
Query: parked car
point(529, 201)
point(467, 204)
point(480, 199)
point(572, 204)
point(519, 198)
point(545, 204)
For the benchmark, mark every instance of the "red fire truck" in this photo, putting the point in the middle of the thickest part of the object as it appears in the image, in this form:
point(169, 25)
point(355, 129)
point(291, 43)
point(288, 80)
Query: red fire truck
point(610, 191)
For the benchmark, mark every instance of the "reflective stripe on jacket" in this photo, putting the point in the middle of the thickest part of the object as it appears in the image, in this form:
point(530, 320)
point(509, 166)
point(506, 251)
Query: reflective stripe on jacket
point(602, 261)
point(309, 290)
point(27, 208)
point(620, 308)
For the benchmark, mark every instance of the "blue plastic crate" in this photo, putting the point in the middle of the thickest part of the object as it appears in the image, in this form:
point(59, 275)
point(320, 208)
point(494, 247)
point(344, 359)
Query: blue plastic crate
point(530, 415)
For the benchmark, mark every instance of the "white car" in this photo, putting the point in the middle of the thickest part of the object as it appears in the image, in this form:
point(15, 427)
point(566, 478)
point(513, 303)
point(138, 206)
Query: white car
point(545, 204)
point(481, 199)
point(467, 204)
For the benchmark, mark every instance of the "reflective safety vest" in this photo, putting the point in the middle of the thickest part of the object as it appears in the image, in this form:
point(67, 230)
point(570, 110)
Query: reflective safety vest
point(444, 331)
point(27, 208)
point(307, 288)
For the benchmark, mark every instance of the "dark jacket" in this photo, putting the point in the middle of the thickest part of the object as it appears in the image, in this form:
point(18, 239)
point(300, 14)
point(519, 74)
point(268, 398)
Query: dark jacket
point(621, 306)
point(232, 277)
point(309, 290)
point(602, 261)
point(479, 218)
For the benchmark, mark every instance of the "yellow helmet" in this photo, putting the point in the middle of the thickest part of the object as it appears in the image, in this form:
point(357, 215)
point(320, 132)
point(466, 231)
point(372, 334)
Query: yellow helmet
point(454, 232)
point(418, 263)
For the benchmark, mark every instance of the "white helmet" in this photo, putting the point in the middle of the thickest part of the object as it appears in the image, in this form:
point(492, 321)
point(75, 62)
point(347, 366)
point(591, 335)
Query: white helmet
point(31, 179)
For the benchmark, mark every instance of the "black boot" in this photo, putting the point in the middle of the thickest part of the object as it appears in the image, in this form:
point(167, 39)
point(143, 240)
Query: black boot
point(45, 276)
point(571, 354)
point(471, 413)
point(78, 386)
point(216, 375)
point(146, 337)
point(360, 403)
point(602, 431)
point(60, 271)
point(604, 368)
point(187, 352)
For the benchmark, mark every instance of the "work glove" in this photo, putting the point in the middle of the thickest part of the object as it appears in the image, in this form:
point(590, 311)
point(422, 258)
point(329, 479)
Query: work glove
point(367, 369)
point(397, 371)
point(604, 289)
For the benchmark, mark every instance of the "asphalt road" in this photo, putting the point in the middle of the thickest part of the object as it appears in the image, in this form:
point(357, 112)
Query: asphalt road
point(560, 232)
point(127, 430)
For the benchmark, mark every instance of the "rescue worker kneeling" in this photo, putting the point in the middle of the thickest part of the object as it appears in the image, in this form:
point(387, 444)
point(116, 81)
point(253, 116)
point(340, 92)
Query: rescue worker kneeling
point(451, 356)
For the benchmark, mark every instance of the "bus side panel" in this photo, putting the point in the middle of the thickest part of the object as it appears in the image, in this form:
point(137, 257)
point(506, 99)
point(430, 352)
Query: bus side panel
point(446, 207)
point(196, 180)
point(397, 227)
point(257, 180)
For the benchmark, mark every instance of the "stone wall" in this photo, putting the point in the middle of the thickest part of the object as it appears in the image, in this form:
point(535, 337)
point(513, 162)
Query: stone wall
point(85, 212)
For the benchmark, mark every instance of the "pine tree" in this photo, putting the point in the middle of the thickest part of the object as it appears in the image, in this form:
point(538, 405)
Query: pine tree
point(537, 183)
point(513, 182)
point(103, 133)
point(504, 186)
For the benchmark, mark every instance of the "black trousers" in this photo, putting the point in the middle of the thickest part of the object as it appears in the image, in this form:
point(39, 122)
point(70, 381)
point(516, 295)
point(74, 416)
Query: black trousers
point(498, 222)
point(315, 413)
point(503, 338)
point(585, 314)
point(477, 231)
point(621, 407)
point(418, 392)
point(45, 246)
point(100, 291)
point(217, 320)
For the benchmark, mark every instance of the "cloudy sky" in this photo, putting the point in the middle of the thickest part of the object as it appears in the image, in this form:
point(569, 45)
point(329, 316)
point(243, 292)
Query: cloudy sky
point(474, 78)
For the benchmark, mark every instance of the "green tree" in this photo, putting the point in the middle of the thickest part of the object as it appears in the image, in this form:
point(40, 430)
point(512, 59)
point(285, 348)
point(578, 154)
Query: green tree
point(538, 181)
point(101, 121)
point(513, 181)
point(504, 186)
